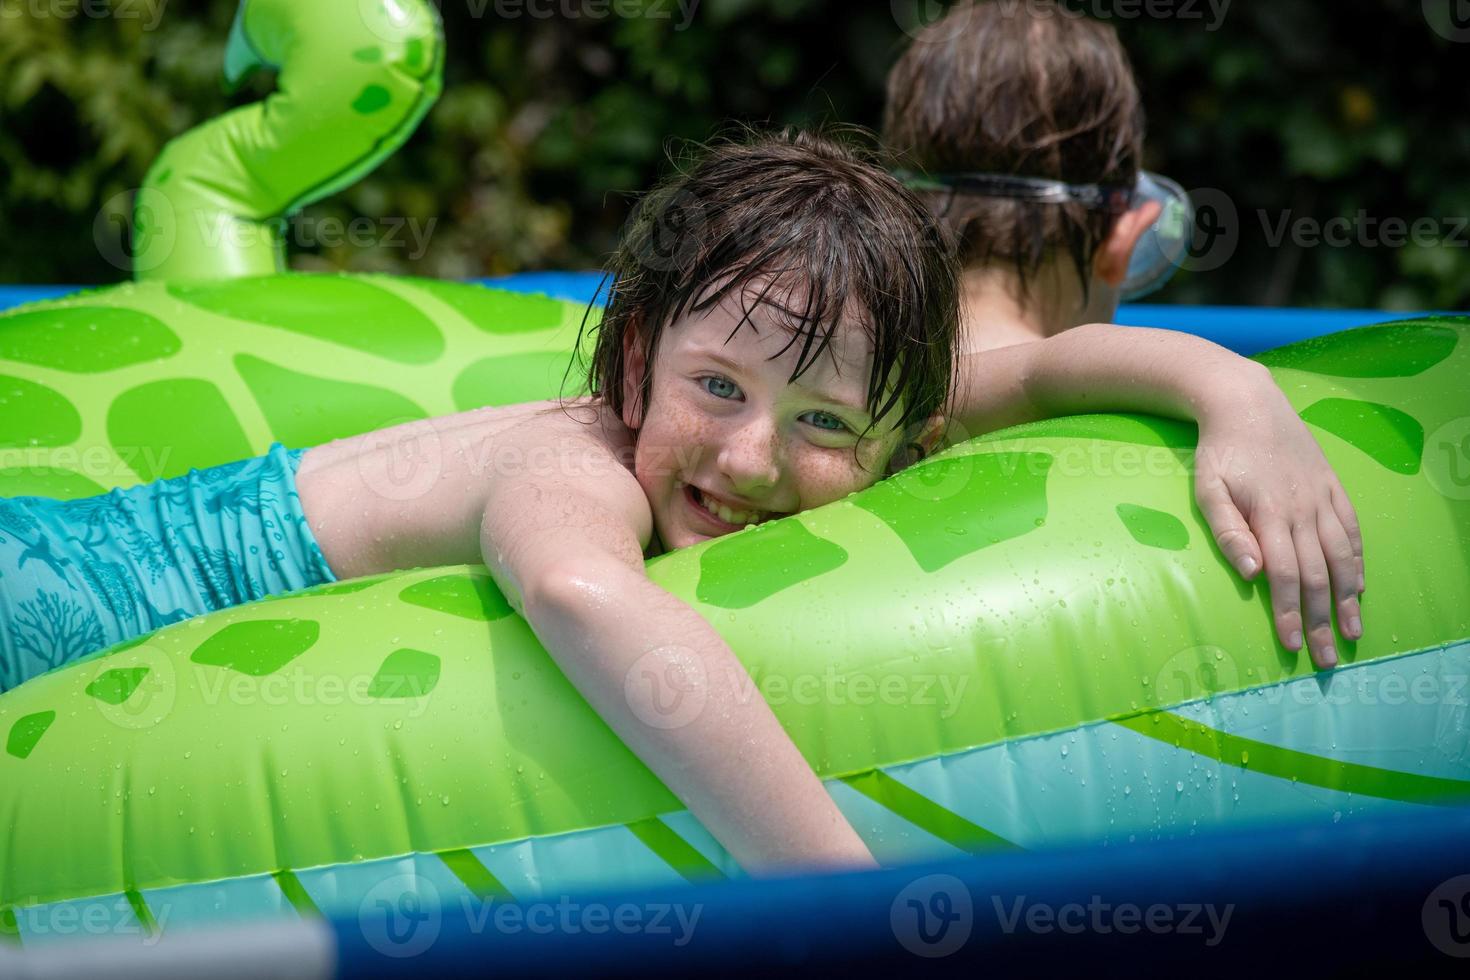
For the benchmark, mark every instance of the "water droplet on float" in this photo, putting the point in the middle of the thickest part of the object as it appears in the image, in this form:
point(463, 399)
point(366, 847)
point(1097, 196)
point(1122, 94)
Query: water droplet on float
point(1127, 790)
point(1179, 786)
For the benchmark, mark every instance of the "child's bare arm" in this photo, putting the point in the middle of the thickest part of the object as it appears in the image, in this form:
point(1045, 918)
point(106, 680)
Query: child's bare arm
point(1261, 480)
point(569, 556)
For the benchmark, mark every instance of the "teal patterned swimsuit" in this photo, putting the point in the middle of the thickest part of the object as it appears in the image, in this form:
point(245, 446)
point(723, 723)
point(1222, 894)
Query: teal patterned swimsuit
point(80, 575)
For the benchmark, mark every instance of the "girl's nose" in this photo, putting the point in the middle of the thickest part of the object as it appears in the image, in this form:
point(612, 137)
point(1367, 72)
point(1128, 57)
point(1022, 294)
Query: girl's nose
point(750, 457)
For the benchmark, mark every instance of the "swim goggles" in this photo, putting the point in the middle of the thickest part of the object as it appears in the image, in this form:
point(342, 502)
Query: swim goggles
point(1160, 249)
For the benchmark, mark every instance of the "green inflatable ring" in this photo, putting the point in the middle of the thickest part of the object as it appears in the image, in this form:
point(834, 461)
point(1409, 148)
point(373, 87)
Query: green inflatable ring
point(1027, 639)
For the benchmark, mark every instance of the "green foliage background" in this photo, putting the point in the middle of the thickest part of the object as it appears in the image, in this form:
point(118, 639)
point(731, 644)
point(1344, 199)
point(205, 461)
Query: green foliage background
point(549, 126)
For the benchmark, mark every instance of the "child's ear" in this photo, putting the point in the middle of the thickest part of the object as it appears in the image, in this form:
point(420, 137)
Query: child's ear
point(1110, 264)
point(921, 444)
point(634, 368)
point(932, 436)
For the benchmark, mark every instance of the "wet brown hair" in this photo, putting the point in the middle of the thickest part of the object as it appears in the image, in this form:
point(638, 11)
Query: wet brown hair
point(1020, 87)
point(776, 210)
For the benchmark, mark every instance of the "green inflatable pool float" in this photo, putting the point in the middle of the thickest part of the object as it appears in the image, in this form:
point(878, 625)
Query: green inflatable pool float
point(1026, 640)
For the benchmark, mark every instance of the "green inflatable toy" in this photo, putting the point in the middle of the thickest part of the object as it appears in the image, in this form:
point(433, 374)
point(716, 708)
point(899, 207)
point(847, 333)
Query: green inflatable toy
point(1026, 640)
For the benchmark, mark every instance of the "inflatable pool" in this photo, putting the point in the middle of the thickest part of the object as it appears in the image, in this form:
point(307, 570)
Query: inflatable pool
point(1028, 640)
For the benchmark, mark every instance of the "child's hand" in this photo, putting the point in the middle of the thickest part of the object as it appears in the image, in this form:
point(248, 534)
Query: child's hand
point(1267, 491)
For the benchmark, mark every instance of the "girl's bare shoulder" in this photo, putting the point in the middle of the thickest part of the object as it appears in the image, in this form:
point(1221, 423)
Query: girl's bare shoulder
point(413, 494)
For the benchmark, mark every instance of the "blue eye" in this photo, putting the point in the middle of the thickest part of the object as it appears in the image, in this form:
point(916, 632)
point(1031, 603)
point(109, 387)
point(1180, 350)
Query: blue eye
point(839, 425)
point(719, 380)
point(831, 422)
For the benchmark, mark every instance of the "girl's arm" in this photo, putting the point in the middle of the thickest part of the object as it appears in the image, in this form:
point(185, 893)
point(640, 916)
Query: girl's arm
point(1261, 480)
point(568, 554)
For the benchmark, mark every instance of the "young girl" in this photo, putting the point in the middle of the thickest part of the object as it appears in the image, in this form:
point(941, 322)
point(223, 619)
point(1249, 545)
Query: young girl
point(779, 335)
point(1023, 129)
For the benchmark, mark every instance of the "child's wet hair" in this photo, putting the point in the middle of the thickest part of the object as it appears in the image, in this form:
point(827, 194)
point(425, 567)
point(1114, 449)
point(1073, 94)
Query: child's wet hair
point(1030, 89)
point(791, 214)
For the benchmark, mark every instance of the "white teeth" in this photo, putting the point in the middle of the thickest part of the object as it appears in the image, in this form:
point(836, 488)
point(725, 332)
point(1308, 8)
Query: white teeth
point(730, 516)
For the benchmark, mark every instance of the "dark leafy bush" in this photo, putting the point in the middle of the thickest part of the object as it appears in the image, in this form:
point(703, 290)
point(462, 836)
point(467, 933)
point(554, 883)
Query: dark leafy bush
point(1295, 112)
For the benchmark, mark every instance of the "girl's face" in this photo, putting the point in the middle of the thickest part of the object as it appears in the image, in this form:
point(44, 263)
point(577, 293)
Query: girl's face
point(727, 441)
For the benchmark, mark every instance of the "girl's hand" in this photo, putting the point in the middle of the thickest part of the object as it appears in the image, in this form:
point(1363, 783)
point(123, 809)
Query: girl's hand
point(1271, 498)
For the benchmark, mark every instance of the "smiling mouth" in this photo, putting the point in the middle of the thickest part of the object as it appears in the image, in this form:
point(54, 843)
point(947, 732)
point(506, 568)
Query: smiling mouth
point(720, 513)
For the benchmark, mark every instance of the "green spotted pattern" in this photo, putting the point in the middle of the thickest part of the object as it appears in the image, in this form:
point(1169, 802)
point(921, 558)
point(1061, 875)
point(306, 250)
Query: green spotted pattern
point(739, 571)
point(32, 414)
point(258, 647)
point(87, 339)
point(405, 674)
point(465, 596)
point(1389, 350)
point(297, 359)
point(1392, 438)
point(116, 685)
point(211, 436)
point(307, 410)
point(373, 98)
point(1143, 430)
point(335, 588)
point(27, 732)
point(1013, 485)
point(1154, 528)
point(327, 356)
point(498, 312)
point(348, 312)
point(510, 380)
